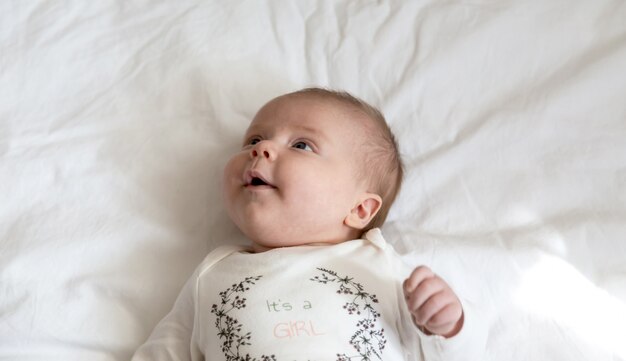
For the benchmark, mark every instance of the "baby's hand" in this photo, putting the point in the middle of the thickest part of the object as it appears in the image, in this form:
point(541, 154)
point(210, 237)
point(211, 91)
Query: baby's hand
point(434, 306)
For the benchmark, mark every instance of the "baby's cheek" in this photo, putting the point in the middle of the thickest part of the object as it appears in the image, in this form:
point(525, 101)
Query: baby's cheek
point(232, 177)
point(233, 170)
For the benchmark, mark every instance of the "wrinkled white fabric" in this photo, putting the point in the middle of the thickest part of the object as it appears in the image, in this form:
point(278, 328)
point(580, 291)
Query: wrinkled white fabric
point(116, 118)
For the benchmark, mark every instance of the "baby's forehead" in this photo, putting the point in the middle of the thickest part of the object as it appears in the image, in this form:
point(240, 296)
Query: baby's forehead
point(313, 112)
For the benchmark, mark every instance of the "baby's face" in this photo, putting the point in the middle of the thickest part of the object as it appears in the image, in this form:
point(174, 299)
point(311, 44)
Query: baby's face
point(294, 180)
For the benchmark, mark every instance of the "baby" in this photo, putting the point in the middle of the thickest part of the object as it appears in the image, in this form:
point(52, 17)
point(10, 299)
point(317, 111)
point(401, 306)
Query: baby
point(315, 177)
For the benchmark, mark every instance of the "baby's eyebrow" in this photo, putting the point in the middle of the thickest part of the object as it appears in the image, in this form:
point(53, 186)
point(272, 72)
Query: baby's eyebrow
point(316, 132)
point(251, 130)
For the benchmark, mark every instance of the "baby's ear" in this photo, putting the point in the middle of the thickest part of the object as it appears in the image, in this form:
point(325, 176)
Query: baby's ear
point(363, 212)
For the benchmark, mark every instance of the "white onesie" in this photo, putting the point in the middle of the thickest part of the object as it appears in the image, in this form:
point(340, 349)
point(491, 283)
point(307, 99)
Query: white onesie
point(304, 303)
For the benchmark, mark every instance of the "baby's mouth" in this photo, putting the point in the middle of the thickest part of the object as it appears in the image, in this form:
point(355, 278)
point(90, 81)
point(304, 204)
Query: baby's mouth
point(256, 181)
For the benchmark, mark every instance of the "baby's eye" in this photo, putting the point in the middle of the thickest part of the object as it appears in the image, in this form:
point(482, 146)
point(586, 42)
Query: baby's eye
point(253, 141)
point(303, 146)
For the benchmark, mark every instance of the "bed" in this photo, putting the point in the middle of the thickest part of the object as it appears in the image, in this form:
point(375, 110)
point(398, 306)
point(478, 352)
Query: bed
point(116, 118)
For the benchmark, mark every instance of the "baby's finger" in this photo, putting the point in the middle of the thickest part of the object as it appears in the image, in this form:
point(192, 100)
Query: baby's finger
point(432, 306)
point(445, 319)
point(447, 322)
point(417, 276)
point(424, 291)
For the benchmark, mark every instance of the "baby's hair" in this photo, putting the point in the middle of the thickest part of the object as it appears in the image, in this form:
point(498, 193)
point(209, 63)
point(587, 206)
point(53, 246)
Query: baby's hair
point(382, 164)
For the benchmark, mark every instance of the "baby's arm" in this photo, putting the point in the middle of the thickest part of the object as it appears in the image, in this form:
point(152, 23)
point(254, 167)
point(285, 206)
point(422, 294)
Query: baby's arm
point(435, 308)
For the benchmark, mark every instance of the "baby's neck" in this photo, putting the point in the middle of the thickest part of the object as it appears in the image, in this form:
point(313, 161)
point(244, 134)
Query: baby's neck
point(257, 248)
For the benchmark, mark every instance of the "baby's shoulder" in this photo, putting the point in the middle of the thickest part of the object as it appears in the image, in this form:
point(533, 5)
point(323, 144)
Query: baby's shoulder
point(217, 255)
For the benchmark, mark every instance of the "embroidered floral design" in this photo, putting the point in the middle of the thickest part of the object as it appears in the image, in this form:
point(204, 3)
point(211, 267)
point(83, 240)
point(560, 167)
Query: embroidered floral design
point(368, 340)
point(229, 329)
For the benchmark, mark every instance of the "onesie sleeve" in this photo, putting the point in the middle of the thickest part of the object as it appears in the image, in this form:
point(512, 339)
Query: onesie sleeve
point(174, 338)
point(171, 340)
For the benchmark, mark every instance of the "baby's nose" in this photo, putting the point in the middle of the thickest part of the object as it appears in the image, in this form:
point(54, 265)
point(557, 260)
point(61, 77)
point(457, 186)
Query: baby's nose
point(263, 149)
point(256, 153)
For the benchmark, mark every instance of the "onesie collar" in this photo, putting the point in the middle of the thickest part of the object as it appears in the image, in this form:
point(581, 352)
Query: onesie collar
point(375, 236)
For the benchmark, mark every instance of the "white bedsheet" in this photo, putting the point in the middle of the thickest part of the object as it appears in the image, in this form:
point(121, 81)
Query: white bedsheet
point(116, 118)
